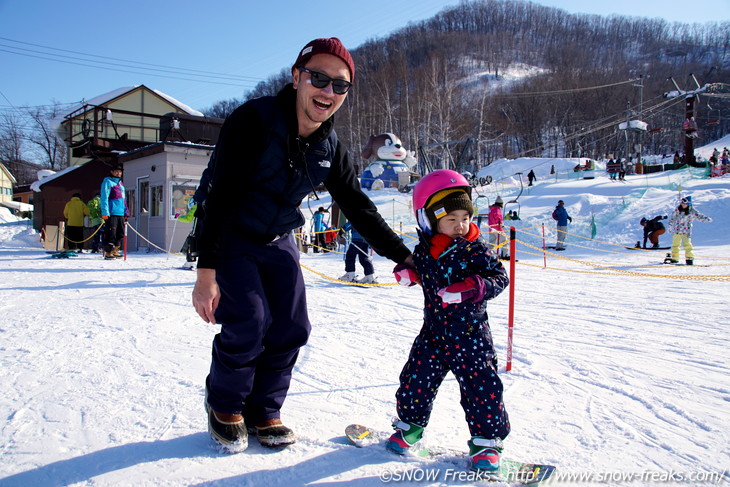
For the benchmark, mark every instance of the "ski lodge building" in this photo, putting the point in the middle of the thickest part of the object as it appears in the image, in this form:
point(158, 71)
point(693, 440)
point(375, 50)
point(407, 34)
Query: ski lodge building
point(164, 146)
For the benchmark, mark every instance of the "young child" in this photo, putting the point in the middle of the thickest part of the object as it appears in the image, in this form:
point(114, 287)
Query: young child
point(458, 275)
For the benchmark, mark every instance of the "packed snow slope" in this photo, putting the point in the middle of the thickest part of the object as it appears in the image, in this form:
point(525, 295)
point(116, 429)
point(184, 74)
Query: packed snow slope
point(620, 371)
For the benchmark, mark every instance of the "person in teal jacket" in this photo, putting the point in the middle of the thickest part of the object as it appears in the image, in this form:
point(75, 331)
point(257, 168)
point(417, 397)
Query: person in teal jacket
point(320, 226)
point(114, 211)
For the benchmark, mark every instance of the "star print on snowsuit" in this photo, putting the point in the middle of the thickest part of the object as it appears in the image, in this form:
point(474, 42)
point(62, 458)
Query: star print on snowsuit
point(456, 338)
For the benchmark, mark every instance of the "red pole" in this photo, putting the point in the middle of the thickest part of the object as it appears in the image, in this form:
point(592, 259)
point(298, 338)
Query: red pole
point(511, 315)
point(544, 248)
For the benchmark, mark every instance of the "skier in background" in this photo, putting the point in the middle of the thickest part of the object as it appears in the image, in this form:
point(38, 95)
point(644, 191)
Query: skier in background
point(358, 249)
point(681, 226)
point(458, 274)
point(319, 227)
point(94, 205)
point(495, 220)
point(195, 214)
point(74, 212)
point(560, 214)
point(114, 211)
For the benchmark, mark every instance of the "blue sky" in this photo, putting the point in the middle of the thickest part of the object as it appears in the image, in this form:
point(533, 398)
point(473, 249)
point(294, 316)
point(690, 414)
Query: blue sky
point(52, 50)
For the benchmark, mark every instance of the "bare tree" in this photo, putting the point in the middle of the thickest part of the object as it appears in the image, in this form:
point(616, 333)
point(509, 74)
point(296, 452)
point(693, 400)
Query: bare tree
point(222, 108)
point(11, 138)
point(51, 149)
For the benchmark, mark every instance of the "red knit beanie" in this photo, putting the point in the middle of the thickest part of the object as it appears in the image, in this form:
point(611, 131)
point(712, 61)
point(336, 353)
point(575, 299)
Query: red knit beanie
point(326, 46)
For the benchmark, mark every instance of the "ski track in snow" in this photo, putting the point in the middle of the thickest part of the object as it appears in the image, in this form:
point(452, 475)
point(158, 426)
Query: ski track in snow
point(103, 363)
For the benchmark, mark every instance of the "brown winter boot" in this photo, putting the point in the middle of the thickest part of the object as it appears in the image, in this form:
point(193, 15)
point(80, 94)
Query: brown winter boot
point(115, 252)
point(273, 433)
point(227, 430)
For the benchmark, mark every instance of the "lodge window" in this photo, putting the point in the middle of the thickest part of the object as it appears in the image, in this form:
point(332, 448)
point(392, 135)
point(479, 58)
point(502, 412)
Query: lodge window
point(131, 203)
point(157, 201)
point(144, 196)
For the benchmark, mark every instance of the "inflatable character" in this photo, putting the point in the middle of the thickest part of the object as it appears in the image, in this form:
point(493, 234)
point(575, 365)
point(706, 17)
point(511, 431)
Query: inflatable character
point(391, 159)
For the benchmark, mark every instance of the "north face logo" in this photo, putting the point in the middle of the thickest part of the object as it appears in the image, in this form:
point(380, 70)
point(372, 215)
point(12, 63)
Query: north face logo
point(324, 163)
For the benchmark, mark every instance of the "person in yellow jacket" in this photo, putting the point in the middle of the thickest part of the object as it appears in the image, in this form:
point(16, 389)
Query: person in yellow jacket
point(74, 212)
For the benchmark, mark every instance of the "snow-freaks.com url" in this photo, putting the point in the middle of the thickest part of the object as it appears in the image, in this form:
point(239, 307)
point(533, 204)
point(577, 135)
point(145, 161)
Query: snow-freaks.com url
point(444, 475)
point(648, 476)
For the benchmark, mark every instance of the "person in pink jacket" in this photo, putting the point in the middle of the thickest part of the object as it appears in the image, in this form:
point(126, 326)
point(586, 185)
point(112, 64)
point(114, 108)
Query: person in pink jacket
point(495, 221)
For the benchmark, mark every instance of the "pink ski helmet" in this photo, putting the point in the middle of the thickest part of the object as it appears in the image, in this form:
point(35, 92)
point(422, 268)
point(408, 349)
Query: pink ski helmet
point(431, 184)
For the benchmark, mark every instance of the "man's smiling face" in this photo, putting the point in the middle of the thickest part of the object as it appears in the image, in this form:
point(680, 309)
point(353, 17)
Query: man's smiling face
point(316, 105)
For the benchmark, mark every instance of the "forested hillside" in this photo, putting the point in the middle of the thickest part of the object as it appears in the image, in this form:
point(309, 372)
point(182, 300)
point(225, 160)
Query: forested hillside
point(521, 79)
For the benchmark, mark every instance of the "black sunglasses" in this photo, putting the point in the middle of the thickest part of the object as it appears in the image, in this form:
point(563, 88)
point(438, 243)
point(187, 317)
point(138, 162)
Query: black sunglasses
point(320, 80)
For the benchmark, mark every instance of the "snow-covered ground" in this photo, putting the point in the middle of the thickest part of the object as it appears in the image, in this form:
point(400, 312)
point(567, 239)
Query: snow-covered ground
point(620, 373)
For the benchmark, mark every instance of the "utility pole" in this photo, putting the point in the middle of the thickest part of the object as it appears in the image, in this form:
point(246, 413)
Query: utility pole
point(690, 123)
point(641, 115)
point(626, 132)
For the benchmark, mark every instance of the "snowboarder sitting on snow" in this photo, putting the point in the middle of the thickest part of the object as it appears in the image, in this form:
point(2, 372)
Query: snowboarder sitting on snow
point(359, 249)
point(681, 226)
point(652, 229)
point(458, 274)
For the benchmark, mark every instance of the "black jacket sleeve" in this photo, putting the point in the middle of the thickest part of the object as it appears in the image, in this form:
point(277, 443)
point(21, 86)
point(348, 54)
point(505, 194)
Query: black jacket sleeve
point(345, 189)
point(241, 136)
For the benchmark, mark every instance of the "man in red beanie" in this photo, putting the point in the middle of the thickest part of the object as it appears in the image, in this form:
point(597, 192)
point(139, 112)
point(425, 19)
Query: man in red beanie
point(272, 152)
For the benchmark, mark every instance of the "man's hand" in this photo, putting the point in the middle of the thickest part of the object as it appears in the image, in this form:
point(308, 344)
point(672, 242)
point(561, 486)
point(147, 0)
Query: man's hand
point(104, 217)
point(206, 295)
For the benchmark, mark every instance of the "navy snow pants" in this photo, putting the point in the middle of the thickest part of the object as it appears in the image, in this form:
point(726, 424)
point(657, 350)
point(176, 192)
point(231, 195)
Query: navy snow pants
point(264, 323)
point(361, 250)
point(468, 353)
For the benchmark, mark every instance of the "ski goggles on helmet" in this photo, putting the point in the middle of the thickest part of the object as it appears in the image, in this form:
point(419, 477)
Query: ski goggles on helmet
point(321, 80)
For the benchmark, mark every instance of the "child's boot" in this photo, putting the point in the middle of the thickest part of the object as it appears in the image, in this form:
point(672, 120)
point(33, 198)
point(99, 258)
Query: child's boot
point(406, 435)
point(369, 279)
point(485, 454)
point(349, 277)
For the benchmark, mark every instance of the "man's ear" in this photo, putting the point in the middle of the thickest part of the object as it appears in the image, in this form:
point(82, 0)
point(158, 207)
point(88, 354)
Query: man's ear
point(295, 73)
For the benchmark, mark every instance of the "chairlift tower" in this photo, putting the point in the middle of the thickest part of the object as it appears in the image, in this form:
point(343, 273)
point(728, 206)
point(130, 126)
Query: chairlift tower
point(690, 123)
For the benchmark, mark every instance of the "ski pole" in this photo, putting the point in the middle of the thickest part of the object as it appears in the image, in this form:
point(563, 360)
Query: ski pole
point(172, 237)
point(125, 240)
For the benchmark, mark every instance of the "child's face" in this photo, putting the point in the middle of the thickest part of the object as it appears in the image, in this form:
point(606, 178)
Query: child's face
point(455, 224)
